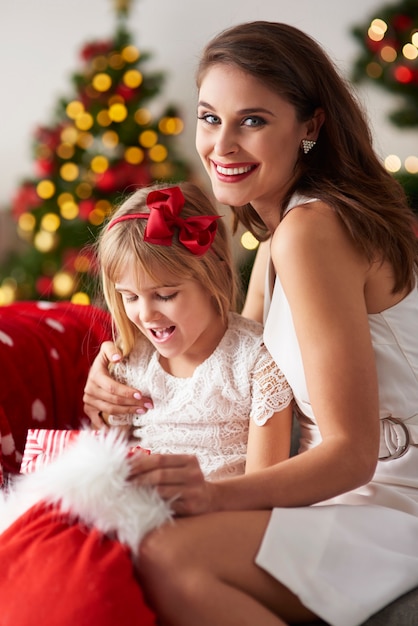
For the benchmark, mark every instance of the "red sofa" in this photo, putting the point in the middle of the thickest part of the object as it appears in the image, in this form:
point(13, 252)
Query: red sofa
point(46, 350)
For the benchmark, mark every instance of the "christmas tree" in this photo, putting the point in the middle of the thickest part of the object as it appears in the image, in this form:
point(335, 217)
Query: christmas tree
point(389, 59)
point(102, 143)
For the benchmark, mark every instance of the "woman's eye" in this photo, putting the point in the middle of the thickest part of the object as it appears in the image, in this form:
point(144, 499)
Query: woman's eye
point(209, 118)
point(254, 121)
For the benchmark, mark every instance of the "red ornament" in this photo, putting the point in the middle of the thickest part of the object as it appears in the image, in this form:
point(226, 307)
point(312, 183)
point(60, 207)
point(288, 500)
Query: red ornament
point(43, 286)
point(25, 200)
point(403, 74)
point(402, 22)
point(95, 48)
point(85, 207)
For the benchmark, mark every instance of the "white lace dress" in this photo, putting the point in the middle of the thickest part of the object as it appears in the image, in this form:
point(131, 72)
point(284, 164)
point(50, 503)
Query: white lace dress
point(346, 562)
point(208, 414)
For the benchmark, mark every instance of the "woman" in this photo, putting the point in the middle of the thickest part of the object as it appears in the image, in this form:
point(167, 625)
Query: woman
point(285, 143)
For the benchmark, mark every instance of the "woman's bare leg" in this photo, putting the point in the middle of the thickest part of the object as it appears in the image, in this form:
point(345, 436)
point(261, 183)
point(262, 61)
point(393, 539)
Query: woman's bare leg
point(202, 570)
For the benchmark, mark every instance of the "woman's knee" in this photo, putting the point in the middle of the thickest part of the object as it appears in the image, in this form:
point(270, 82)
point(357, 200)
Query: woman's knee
point(161, 551)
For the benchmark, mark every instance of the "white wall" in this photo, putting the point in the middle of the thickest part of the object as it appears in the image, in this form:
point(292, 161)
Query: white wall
point(40, 40)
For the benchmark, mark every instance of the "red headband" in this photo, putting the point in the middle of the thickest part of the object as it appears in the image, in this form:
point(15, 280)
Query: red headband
point(195, 233)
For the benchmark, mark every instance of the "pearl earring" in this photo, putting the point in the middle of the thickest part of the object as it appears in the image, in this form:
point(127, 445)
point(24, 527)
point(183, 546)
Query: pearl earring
point(307, 144)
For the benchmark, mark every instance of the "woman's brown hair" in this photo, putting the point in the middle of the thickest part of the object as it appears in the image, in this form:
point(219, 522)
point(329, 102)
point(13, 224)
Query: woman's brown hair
point(342, 169)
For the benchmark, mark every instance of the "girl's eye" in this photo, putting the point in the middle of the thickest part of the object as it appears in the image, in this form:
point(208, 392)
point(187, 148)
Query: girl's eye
point(128, 299)
point(209, 118)
point(254, 121)
point(167, 298)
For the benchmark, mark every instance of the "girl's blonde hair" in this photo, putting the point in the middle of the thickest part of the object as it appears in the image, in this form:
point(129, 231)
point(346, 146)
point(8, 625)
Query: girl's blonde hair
point(124, 245)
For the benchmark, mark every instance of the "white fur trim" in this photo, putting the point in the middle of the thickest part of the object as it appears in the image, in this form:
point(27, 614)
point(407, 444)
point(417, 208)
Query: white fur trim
point(88, 480)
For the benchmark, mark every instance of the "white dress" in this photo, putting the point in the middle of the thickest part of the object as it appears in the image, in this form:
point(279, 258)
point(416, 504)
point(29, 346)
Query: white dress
point(346, 562)
point(208, 414)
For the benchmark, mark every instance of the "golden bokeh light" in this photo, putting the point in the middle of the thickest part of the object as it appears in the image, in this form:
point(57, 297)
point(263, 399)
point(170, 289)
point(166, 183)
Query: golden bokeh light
point(63, 284)
point(69, 135)
point(130, 54)
point(8, 292)
point(65, 150)
point(411, 164)
point(74, 109)
point(374, 70)
point(102, 82)
point(410, 52)
point(393, 163)
point(388, 54)
point(99, 164)
point(85, 140)
point(84, 191)
point(118, 112)
point(142, 117)
point(377, 29)
point(50, 222)
point(158, 153)
point(45, 189)
point(134, 155)
point(96, 217)
point(103, 118)
point(84, 121)
point(69, 210)
point(132, 79)
point(171, 125)
point(110, 139)
point(116, 61)
point(69, 172)
point(44, 241)
point(26, 222)
point(65, 197)
point(82, 263)
point(99, 63)
point(148, 138)
point(248, 241)
point(80, 297)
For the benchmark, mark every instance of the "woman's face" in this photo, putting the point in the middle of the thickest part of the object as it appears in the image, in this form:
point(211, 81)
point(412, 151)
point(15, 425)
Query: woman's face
point(248, 138)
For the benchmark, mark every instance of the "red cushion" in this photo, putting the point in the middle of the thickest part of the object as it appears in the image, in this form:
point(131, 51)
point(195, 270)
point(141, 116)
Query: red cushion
point(57, 573)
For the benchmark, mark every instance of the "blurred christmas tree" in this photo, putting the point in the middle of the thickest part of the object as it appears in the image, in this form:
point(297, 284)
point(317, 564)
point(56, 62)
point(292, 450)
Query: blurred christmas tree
point(390, 60)
point(102, 143)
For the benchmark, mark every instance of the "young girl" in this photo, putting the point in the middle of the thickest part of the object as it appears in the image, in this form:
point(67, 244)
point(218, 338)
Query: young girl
point(169, 284)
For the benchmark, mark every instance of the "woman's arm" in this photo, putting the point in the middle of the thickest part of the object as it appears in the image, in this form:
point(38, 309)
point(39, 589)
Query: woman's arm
point(103, 394)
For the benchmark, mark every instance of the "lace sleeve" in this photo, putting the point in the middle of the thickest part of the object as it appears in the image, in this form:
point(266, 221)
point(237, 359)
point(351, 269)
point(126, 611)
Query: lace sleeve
point(270, 390)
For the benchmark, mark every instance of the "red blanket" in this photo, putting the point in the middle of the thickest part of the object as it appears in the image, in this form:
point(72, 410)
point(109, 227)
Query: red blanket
point(46, 350)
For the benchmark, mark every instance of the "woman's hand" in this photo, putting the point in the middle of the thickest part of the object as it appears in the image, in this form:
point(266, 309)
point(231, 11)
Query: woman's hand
point(178, 479)
point(104, 395)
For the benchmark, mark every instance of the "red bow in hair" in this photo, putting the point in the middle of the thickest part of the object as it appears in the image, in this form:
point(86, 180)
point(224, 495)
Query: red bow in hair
point(195, 233)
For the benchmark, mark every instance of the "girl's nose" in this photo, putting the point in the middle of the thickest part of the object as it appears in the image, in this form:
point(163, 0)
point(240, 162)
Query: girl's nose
point(146, 312)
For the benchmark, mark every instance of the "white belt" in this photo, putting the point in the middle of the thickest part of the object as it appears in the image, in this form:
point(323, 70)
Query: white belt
point(396, 436)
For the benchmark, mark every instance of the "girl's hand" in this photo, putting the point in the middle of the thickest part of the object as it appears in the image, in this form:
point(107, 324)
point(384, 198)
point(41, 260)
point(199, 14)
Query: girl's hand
point(178, 479)
point(104, 395)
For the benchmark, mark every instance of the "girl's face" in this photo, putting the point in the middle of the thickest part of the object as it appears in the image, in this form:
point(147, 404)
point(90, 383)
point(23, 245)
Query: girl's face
point(177, 316)
point(249, 140)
